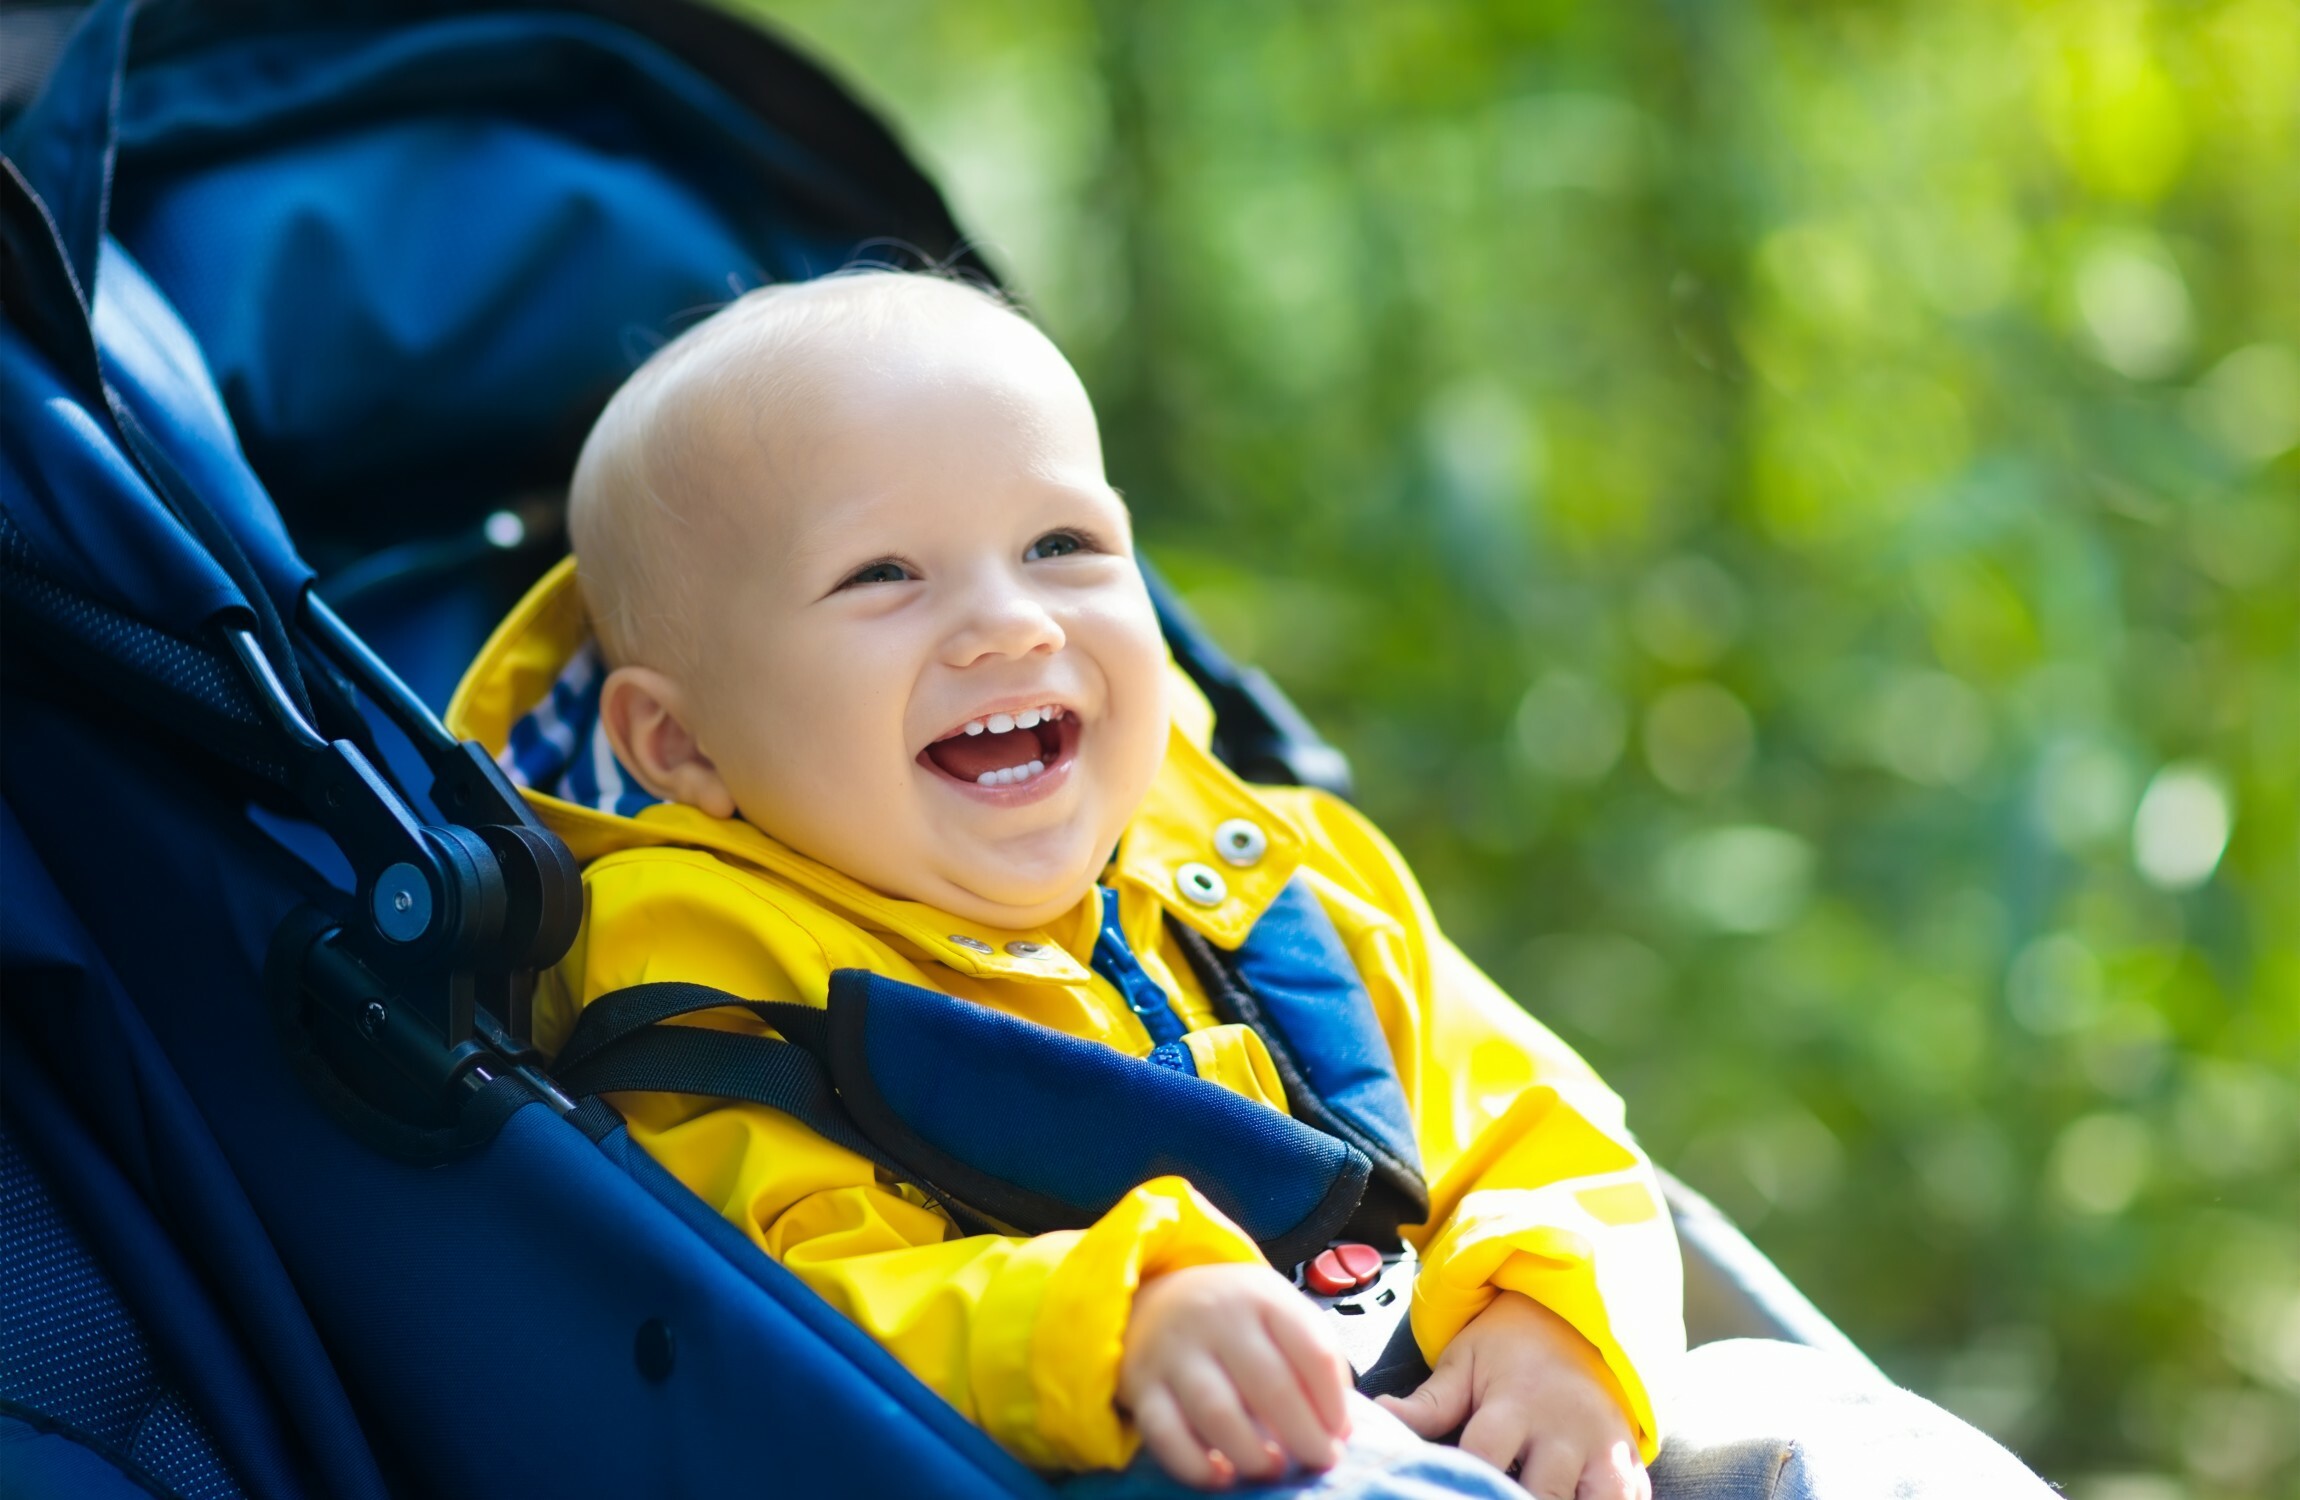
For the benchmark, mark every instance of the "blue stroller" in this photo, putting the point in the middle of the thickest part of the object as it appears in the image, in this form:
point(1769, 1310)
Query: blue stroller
point(306, 311)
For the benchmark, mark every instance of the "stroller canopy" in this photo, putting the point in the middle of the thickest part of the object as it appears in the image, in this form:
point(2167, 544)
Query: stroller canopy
point(417, 245)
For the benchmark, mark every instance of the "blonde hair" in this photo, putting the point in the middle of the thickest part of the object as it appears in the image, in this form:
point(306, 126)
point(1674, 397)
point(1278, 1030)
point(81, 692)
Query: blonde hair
point(630, 504)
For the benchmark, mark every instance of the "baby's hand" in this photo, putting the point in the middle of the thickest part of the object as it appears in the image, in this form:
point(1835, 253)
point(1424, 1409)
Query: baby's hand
point(1540, 1403)
point(1221, 1360)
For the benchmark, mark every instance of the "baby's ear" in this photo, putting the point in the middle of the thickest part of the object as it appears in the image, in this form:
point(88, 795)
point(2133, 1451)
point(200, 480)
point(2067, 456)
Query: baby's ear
point(644, 714)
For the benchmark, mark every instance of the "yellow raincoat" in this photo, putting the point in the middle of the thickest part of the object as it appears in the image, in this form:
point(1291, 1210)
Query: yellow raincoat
point(1535, 1184)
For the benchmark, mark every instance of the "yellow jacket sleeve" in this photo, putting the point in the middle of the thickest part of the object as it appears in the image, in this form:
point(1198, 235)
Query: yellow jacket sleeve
point(1536, 1185)
point(1022, 1335)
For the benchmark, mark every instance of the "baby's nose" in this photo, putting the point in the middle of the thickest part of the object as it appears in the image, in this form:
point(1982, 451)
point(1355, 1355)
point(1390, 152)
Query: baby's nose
point(1006, 624)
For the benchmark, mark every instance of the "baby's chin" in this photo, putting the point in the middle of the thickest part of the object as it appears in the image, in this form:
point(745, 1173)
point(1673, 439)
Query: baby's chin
point(1013, 906)
point(1015, 898)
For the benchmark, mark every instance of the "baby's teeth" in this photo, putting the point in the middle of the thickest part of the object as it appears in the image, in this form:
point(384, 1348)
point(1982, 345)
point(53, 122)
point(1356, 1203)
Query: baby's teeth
point(1027, 719)
point(1010, 775)
point(974, 726)
point(1000, 723)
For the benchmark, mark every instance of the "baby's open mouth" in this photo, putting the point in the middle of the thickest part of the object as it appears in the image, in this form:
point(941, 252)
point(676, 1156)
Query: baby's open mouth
point(1005, 749)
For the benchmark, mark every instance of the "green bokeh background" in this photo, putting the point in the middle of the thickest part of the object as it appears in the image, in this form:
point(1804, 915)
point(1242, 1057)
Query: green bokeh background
point(1793, 511)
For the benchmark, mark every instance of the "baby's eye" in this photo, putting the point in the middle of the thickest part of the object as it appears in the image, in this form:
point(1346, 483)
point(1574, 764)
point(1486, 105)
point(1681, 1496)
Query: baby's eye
point(1055, 544)
point(878, 572)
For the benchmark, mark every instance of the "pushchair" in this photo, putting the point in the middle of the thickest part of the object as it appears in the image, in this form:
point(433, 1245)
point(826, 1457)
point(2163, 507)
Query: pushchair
point(306, 310)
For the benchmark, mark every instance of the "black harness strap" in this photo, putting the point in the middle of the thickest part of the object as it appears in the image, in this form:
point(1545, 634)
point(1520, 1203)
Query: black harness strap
point(725, 1065)
point(618, 1046)
point(608, 1020)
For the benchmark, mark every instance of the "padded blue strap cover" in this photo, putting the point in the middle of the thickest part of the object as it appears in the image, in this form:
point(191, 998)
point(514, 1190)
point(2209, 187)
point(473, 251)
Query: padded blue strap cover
point(1315, 1009)
point(1040, 1130)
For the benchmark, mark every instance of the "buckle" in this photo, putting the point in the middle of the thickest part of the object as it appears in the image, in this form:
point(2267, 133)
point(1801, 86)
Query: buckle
point(1365, 1290)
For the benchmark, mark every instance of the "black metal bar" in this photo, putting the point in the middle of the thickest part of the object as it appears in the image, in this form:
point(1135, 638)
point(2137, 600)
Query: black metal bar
point(358, 661)
point(273, 692)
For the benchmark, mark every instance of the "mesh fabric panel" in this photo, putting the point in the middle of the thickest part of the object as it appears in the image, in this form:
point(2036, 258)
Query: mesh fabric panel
point(72, 1355)
point(201, 681)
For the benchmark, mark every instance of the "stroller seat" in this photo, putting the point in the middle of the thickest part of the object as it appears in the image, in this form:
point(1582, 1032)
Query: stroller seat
point(307, 311)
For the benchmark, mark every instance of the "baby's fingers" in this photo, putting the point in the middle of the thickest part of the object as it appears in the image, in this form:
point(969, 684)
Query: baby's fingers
point(1309, 1347)
point(1498, 1432)
point(1554, 1471)
point(1210, 1402)
point(1438, 1406)
point(1275, 1397)
point(1615, 1473)
point(1172, 1443)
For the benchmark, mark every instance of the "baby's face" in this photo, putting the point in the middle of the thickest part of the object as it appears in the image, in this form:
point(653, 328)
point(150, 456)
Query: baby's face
point(926, 657)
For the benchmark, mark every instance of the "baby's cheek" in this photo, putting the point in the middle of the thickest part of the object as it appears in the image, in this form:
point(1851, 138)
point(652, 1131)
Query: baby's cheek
point(814, 792)
point(1118, 776)
point(1140, 678)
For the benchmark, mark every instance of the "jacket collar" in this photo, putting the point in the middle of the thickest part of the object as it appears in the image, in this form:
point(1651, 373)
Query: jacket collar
point(1168, 856)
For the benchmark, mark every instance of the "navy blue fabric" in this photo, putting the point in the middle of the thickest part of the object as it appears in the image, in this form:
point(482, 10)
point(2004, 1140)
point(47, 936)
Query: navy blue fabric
point(160, 374)
point(1115, 961)
point(288, 191)
point(1075, 1120)
point(229, 1419)
point(483, 1312)
point(880, 1393)
point(75, 1360)
point(89, 516)
point(62, 142)
point(440, 378)
point(45, 1463)
point(429, 632)
point(145, 1173)
point(1295, 964)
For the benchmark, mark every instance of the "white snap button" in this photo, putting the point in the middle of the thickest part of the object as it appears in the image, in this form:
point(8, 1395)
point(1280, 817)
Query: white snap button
point(1199, 885)
point(974, 943)
point(1241, 843)
point(1026, 950)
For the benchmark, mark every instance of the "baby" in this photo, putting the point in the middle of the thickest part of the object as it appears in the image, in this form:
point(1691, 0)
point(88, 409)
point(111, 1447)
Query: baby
point(859, 673)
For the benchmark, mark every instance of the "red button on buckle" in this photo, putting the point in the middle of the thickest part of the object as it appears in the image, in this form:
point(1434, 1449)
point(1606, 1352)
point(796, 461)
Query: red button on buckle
point(1326, 1276)
point(1362, 1262)
point(1344, 1268)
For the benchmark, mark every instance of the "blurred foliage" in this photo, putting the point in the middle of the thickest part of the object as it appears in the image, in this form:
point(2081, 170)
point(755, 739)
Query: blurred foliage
point(1794, 511)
